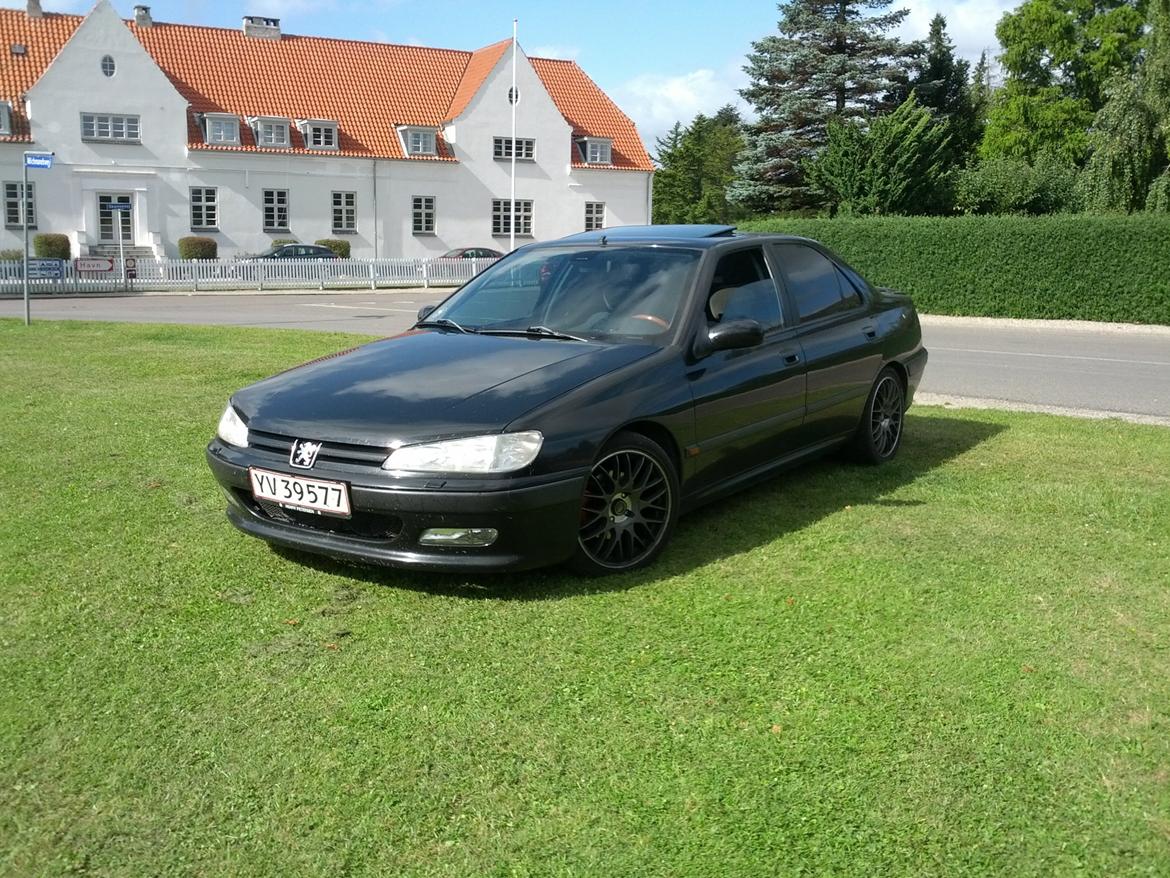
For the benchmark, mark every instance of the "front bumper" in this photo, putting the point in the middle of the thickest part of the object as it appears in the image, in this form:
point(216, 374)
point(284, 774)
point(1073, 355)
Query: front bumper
point(537, 523)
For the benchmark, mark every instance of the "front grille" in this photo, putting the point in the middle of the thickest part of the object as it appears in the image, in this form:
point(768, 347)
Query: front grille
point(362, 525)
point(331, 452)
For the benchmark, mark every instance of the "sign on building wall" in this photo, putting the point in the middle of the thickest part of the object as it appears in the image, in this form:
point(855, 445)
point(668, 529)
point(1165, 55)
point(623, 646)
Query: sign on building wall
point(42, 160)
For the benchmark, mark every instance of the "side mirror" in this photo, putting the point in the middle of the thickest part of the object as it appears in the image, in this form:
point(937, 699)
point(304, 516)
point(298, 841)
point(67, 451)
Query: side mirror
point(425, 310)
point(734, 335)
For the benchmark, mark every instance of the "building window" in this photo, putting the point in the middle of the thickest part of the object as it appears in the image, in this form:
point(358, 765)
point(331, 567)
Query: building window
point(322, 137)
point(223, 129)
point(594, 215)
point(422, 209)
point(12, 217)
point(276, 210)
point(105, 126)
point(204, 207)
point(108, 66)
point(525, 148)
point(502, 216)
point(5, 117)
point(345, 212)
point(419, 141)
point(272, 133)
point(596, 151)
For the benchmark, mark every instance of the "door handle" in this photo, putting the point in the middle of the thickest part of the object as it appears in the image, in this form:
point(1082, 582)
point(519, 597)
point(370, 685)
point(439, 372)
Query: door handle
point(792, 359)
point(870, 331)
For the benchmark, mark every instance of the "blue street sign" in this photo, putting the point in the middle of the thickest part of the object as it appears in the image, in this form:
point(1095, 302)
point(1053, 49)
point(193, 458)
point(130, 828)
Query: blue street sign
point(117, 205)
point(43, 160)
point(46, 269)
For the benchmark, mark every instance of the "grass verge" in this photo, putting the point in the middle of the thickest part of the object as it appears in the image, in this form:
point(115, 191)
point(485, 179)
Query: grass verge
point(952, 665)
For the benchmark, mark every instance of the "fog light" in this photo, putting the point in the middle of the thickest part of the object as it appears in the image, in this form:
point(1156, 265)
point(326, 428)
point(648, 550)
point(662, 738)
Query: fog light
point(459, 536)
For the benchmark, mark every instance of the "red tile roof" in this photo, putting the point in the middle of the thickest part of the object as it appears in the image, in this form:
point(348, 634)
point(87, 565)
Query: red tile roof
point(368, 88)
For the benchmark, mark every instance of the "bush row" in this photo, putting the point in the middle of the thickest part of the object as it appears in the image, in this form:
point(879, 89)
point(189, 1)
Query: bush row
point(1112, 268)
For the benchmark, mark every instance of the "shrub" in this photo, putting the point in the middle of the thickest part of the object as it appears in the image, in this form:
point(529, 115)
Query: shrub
point(196, 247)
point(1114, 268)
point(11, 255)
point(51, 246)
point(338, 246)
point(1011, 185)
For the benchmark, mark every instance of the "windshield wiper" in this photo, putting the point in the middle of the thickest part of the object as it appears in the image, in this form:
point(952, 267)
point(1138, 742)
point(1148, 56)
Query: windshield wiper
point(444, 323)
point(536, 332)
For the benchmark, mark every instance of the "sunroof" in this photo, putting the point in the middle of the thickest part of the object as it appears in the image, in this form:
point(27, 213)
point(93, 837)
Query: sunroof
point(640, 233)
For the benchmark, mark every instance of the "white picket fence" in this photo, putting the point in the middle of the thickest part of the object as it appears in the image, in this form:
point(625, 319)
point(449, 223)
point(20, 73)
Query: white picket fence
point(258, 274)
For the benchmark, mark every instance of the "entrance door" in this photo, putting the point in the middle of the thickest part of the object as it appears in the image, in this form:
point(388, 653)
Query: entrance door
point(107, 231)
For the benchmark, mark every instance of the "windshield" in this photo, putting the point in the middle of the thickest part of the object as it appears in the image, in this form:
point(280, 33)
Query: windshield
point(592, 292)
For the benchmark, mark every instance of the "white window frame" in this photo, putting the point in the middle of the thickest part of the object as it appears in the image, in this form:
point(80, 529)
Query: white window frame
point(594, 215)
point(263, 126)
point(320, 135)
point(422, 214)
point(344, 209)
point(596, 150)
point(273, 207)
point(12, 217)
point(217, 126)
point(502, 217)
point(205, 206)
point(111, 128)
point(502, 149)
point(419, 141)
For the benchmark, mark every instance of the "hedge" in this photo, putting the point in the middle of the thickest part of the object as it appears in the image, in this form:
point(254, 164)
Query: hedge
point(51, 246)
point(1111, 268)
point(197, 247)
point(337, 245)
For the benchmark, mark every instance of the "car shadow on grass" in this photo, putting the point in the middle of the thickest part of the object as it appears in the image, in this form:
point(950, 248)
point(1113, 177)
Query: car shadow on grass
point(793, 500)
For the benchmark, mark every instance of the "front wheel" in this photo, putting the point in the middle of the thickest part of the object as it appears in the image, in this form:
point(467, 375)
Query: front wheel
point(628, 508)
point(879, 434)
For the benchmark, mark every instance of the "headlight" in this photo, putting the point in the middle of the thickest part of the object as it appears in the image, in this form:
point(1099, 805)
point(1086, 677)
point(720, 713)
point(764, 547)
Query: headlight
point(501, 453)
point(231, 429)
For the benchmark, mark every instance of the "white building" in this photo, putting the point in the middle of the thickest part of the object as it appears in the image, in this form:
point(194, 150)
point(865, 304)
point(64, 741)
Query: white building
point(250, 136)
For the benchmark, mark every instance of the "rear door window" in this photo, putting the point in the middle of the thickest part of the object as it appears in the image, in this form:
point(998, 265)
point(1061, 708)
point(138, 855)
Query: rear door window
point(742, 289)
point(817, 286)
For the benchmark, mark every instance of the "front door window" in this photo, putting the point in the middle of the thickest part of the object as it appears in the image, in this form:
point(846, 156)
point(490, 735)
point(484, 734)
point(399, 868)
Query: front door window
point(107, 216)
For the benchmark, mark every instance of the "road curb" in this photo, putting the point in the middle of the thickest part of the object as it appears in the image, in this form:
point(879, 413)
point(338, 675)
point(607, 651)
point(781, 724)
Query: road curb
point(151, 294)
point(971, 402)
point(942, 320)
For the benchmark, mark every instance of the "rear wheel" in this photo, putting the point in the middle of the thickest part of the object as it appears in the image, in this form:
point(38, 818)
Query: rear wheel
point(879, 435)
point(628, 508)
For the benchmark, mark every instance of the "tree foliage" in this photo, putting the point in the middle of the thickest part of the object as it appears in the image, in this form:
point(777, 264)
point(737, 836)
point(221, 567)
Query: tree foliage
point(696, 167)
point(831, 60)
point(895, 166)
point(1012, 185)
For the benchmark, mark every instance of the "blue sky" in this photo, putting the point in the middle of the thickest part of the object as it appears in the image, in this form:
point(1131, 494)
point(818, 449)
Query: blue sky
point(661, 61)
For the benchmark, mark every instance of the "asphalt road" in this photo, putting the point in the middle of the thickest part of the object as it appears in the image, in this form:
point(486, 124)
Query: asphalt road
point(1083, 367)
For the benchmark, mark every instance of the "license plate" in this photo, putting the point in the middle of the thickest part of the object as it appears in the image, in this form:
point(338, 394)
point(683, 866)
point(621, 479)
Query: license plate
point(314, 495)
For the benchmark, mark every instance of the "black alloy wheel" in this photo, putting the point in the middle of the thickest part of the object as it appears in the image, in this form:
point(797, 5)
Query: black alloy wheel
point(880, 432)
point(629, 506)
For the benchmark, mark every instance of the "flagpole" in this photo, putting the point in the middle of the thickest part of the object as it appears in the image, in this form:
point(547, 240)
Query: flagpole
point(513, 98)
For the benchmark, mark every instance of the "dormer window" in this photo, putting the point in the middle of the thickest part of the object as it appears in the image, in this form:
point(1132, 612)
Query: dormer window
point(319, 134)
point(5, 118)
point(221, 128)
point(418, 141)
point(271, 132)
point(596, 150)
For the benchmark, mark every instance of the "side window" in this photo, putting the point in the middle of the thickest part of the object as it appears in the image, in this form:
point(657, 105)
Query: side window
point(815, 282)
point(742, 289)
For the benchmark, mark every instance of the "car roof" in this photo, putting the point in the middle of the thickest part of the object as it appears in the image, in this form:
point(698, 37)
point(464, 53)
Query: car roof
point(704, 236)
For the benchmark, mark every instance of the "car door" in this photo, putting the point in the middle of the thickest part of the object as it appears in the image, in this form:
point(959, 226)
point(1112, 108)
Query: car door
point(837, 334)
point(749, 403)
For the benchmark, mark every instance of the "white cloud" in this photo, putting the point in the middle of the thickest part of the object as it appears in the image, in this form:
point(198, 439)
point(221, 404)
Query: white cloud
point(970, 23)
point(656, 101)
point(565, 53)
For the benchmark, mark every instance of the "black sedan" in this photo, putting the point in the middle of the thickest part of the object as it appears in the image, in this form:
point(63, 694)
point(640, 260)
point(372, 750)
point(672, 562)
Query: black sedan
point(571, 401)
point(472, 253)
point(297, 251)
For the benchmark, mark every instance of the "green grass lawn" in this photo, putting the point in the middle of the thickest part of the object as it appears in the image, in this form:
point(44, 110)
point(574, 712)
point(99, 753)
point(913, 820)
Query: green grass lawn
point(958, 664)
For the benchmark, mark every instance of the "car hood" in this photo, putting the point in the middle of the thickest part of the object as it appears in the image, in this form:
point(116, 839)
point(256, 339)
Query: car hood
point(425, 384)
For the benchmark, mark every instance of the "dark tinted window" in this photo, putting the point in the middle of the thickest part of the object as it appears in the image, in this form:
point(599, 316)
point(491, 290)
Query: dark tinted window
point(742, 289)
point(815, 282)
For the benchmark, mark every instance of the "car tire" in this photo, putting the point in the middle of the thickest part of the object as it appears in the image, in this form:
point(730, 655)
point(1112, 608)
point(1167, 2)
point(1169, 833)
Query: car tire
point(628, 508)
point(879, 435)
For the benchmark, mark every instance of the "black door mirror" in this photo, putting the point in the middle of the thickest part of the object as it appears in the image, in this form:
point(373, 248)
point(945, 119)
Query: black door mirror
point(425, 311)
point(734, 335)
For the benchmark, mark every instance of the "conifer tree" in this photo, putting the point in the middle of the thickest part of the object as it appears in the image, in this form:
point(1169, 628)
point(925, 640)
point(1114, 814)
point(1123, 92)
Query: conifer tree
point(832, 59)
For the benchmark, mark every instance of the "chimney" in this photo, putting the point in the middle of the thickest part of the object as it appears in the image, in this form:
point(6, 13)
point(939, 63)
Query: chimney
point(142, 17)
point(261, 27)
point(34, 9)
